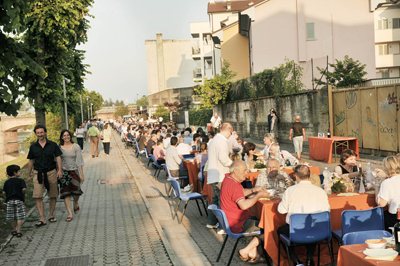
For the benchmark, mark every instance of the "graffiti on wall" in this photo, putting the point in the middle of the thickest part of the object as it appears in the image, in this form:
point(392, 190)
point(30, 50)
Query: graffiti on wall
point(351, 99)
point(340, 118)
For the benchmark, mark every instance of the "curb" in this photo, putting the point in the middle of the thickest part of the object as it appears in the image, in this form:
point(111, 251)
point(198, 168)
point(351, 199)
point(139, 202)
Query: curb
point(168, 248)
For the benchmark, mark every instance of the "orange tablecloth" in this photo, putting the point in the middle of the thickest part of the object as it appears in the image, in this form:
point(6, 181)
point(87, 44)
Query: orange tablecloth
point(349, 256)
point(321, 149)
point(193, 174)
point(271, 220)
point(252, 176)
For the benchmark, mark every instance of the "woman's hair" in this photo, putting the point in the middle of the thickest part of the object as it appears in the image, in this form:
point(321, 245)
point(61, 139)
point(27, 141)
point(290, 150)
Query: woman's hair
point(12, 169)
point(105, 126)
point(345, 155)
point(392, 165)
point(61, 136)
point(234, 156)
point(249, 146)
point(195, 136)
point(203, 146)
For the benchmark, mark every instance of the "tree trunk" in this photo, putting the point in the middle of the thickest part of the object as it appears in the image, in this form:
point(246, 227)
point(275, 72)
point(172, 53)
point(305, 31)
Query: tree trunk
point(39, 113)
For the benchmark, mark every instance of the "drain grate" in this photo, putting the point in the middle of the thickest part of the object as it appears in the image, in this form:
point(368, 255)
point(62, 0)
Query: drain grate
point(154, 196)
point(69, 261)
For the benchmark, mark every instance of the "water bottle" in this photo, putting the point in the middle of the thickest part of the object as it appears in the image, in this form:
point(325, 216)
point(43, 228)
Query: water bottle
point(369, 176)
point(327, 181)
point(396, 231)
point(361, 180)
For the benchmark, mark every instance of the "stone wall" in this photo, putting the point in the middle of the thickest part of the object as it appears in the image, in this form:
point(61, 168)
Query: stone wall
point(250, 117)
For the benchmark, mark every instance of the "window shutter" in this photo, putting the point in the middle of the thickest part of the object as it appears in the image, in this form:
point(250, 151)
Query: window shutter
point(310, 31)
point(380, 50)
point(396, 23)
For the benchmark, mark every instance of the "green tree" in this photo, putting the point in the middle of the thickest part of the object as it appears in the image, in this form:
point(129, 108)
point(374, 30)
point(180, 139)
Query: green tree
point(55, 29)
point(142, 101)
point(345, 73)
point(215, 90)
point(121, 111)
point(13, 58)
point(163, 112)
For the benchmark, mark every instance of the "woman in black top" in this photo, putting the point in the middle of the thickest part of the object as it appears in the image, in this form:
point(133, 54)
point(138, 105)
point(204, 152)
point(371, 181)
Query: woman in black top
point(348, 164)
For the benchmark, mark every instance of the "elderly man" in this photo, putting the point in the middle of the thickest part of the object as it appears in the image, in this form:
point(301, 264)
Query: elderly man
point(187, 137)
point(218, 166)
point(151, 144)
point(173, 160)
point(183, 148)
point(269, 138)
point(299, 136)
point(302, 198)
point(282, 155)
point(268, 178)
point(233, 144)
point(215, 122)
point(236, 207)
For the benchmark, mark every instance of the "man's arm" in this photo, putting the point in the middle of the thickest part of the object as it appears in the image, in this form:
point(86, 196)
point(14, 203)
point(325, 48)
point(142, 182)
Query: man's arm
point(30, 166)
point(245, 204)
point(304, 134)
point(290, 133)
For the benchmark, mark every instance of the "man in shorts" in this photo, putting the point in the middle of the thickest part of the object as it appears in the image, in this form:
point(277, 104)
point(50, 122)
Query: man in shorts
point(42, 156)
point(299, 136)
point(237, 209)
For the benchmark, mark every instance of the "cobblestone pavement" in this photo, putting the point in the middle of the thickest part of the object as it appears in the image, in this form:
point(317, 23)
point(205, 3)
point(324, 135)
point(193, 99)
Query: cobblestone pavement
point(113, 226)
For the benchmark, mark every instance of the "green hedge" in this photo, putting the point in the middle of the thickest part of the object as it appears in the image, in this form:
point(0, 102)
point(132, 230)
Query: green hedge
point(200, 117)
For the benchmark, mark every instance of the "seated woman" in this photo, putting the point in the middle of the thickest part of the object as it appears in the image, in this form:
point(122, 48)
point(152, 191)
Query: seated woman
point(159, 153)
point(347, 164)
point(389, 192)
point(195, 144)
point(201, 158)
point(282, 156)
point(249, 149)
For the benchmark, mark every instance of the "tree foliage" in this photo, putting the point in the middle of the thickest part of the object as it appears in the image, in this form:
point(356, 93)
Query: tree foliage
point(121, 111)
point(214, 91)
point(142, 101)
point(163, 112)
point(173, 106)
point(345, 73)
point(55, 28)
point(13, 57)
point(200, 117)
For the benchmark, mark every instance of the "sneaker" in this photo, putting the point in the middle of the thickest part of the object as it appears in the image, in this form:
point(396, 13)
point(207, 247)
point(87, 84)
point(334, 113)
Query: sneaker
point(212, 226)
point(221, 232)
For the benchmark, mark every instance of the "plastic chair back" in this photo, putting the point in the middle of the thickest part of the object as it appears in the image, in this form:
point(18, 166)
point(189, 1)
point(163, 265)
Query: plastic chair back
point(176, 187)
point(362, 220)
point(223, 221)
point(188, 156)
point(310, 228)
point(360, 236)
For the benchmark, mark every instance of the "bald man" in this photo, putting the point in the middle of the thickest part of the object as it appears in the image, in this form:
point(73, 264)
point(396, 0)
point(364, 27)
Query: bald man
point(215, 123)
point(299, 136)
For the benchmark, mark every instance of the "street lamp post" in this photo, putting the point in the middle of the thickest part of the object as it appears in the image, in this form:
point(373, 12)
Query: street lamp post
point(91, 109)
point(87, 101)
point(81, 108)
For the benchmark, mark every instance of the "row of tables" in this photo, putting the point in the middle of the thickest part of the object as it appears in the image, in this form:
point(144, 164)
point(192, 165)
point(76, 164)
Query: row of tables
point(271, 219)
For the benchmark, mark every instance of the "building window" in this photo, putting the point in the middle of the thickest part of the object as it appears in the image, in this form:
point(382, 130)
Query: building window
point(385, 73)
point(310, 31)
point(383, 49)
point(396, 23)
point(382, 24)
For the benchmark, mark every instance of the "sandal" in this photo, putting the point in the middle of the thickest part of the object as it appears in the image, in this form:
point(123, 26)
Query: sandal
point(258, 259)
point(69, 219)
point(19, 234)
point(40, 224)
point(76, 210)
point(14, 233)
point(52, 220)
point(243, 259)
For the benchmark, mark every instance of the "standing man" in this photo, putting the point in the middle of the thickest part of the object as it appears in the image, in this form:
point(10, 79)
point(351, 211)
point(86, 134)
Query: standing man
point(44, 157)
point(215, 123)
point(218, 166)
point(302, 198)
point(299, 136)
point(94, 136)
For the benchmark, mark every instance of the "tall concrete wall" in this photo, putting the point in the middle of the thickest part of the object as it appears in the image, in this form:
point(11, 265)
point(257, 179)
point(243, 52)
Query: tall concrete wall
point(250, 118)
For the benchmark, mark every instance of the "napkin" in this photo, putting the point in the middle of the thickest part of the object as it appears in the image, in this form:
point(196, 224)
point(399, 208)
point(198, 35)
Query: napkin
point(388, 258)
point(370, 192)
point(348, 194)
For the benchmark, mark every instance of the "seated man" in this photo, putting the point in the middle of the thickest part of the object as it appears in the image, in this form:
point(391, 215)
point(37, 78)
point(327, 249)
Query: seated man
point(267, 178)
point(282, 156)
point(302, 198)
point(236, 207)
point(151, 144)
point(187, 138)
point(173, 160)
point(159, 153)
point(183, 148)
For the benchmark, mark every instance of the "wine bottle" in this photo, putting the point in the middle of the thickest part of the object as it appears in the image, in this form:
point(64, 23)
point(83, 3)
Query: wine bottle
point(328, 133)
point(396, 232)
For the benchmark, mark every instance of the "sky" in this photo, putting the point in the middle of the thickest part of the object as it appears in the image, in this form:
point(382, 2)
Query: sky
point(116, 49)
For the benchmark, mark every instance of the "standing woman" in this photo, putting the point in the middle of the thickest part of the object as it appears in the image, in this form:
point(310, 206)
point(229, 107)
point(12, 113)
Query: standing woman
point(70, 183)
point(106, 139)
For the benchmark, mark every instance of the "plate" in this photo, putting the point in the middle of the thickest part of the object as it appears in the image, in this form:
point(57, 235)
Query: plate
point(262, 169)
point(380, 252)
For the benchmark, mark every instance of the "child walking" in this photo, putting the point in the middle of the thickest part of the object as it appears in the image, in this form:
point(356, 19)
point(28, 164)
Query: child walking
point(14, 189)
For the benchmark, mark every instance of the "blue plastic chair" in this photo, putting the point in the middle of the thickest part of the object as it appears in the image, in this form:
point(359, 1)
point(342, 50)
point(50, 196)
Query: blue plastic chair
point(360, 236)
point(307, 229)
point(360, 220)
point(148, 157)
point(170, 176)
point(188, 156)
point(186, 198)
point(139, 152)
point(223, 223)
point(156, 165)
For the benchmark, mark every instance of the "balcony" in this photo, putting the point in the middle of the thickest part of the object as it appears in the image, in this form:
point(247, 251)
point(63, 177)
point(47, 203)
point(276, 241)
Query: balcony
point(196, 51)
point(389, 60)
point(388, 35)
point(197, 28)
point(208, 73)
point(197, 75)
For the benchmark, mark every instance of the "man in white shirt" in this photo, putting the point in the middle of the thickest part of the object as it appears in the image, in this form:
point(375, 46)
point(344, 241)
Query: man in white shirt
point(183, 148)
point(215, 122)
point(269, 139)
point(233, 145)
point(173, 160)
point(167, 140)
point(218, 166)
point(302, 198)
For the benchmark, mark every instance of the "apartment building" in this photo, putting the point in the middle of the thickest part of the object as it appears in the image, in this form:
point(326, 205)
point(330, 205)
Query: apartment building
point(387, 39)
point(169, 70)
